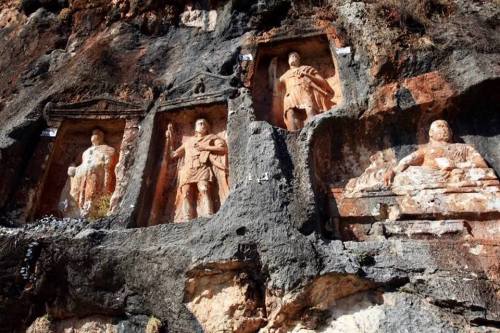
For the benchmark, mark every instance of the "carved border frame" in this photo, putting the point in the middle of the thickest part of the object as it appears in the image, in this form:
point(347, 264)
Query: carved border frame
point(95, 108)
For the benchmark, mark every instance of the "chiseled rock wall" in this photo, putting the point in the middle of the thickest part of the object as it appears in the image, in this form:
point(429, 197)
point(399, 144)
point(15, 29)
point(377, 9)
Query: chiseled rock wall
point(277, 256)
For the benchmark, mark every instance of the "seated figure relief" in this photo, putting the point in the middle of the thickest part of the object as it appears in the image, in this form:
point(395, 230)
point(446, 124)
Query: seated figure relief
point(301, 90)
point(438, 165)
point(441, 163)
point(201, 172)
point(443, 188)
point(90, 184)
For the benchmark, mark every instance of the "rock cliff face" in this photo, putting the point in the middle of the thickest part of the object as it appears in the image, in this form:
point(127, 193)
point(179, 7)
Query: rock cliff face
point(310, 236)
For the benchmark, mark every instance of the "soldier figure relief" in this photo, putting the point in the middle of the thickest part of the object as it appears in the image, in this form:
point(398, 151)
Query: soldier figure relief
point(304, 92)
point(202, 169)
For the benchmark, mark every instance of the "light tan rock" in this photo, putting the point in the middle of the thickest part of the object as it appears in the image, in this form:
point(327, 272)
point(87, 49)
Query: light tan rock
point(124, 163)
point(198, 18)
point(93, 324)
point(41, 325)
point(224, 302)
point(153, 326)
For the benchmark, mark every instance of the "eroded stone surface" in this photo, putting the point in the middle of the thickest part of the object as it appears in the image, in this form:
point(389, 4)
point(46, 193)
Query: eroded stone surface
point(199, 18)
point(225, 300)
point(96, 324)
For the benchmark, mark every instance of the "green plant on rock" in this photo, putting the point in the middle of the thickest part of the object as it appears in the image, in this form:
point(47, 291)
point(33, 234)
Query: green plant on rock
point(101, 208)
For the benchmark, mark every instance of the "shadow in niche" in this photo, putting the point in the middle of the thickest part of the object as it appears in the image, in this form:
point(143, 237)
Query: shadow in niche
point(283, 143)
point(15, 160)
point(475, 120)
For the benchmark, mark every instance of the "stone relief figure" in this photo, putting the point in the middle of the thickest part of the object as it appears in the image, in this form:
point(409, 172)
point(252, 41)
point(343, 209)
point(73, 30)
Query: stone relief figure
point(372, 179)
point(305, 92)
point(202, 168)
point(439, 164)
point(91, 184)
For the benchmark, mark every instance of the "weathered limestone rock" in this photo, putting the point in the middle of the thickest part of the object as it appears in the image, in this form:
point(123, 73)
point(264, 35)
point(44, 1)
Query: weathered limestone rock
point(304, 311)
point(199, 18)
point(125, 161)
point(225, 300)
point(86, 325)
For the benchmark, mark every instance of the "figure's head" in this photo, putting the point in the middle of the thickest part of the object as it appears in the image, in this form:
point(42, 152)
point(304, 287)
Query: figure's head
point(440, 131)
point(201, 126)
point(97, 137)
point(294, 59)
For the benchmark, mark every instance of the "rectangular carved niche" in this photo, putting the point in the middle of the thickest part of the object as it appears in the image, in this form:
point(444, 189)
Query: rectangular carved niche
point(315, 51)
point(181, 177)
point(73, 138)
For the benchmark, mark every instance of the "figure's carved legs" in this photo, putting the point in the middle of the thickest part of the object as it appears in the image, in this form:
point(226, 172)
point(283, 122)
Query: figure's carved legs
point(205, 203)
point(310, 113)
point(188, 208)
point(293, 119)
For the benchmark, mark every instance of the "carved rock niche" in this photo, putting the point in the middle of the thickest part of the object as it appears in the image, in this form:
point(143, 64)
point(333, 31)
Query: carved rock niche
point(186, 183)
point(272, 61)
point(436, 188)
point(72, 140)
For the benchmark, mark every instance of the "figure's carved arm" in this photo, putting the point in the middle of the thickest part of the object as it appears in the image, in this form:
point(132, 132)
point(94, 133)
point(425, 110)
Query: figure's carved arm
point(169, 139)
point(320, 81)
point(179, 152)
point(219, 147)
point(416, 158)
point(474, 160)
point(108, 158)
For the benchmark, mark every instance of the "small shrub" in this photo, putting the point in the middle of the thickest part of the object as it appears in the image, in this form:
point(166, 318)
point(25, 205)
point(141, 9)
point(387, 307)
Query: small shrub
point(101, 207)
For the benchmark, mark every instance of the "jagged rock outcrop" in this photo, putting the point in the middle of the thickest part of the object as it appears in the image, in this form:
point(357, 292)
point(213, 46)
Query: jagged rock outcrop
point(280, 254)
